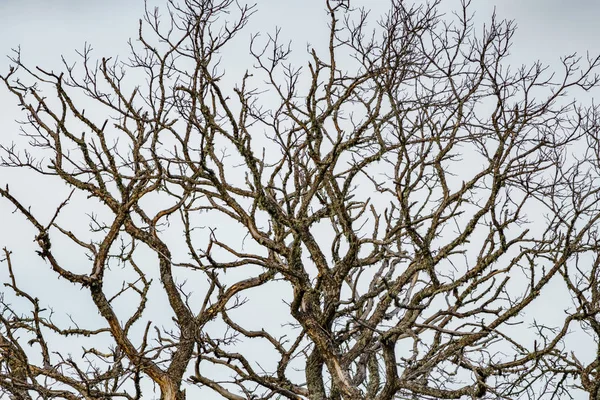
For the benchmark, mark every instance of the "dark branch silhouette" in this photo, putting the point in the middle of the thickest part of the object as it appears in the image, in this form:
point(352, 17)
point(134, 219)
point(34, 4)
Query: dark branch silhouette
point(403, 193)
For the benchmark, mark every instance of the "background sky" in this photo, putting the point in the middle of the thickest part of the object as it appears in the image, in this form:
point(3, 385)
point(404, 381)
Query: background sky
point(45, 30)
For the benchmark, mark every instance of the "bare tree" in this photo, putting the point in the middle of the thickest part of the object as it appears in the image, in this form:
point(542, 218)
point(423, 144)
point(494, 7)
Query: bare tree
point(404, 193)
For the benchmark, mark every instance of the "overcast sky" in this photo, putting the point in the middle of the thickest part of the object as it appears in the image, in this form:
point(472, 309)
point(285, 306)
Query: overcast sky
point(46, 29)
point(547, 29)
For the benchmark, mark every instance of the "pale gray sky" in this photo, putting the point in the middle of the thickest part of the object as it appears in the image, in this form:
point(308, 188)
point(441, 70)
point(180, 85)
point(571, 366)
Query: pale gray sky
point(45, 30)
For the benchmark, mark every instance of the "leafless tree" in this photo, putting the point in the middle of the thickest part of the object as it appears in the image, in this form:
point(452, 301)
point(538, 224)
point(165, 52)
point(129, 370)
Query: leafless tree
point(404, 193)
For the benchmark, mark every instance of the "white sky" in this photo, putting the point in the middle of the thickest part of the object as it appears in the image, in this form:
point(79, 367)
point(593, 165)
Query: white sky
point(45, 29)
